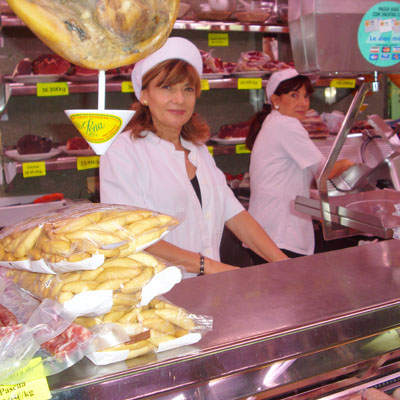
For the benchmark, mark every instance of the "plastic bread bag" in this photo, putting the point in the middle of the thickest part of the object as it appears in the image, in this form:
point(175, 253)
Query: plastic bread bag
point(157, 327)
point(132, 280)
point(44, 331)
point(81, 237)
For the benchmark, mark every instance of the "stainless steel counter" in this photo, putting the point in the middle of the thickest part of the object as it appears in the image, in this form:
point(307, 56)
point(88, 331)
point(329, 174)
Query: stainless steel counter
point(278, 328)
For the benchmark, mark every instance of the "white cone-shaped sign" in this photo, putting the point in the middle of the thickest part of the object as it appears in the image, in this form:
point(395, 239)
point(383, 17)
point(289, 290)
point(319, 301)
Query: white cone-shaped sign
point(100, 127)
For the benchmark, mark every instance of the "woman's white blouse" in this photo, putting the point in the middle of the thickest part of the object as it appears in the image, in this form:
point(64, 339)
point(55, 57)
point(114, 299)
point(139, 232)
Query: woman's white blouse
point(149, 173)
point(282, 164)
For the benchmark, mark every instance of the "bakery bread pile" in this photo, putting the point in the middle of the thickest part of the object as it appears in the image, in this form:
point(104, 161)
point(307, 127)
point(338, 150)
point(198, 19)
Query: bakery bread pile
point(80, 231)
point(89, 259)
point(99, 34)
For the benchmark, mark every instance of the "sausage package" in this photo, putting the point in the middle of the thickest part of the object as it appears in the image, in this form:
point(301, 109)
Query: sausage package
point(81, 237)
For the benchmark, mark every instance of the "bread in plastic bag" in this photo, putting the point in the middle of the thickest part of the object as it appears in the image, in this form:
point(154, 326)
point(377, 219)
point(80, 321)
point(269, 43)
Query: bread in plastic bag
point(157, 327)
point(132, 280)
point(81, 236)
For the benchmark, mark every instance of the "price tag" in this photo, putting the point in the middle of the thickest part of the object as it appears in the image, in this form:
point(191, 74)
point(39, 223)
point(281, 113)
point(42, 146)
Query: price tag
point(52, 89)
point(211, 150)
point(32, 169)
point(205, 85)
point(343, 83)
point(87, 162)
point(218, 39)
point(34, 388)
point(242, 149)
point(127, 87)
point(249, 83)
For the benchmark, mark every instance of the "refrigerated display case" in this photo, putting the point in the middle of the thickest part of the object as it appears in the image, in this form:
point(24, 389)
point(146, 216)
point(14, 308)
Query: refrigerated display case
point(314, 327)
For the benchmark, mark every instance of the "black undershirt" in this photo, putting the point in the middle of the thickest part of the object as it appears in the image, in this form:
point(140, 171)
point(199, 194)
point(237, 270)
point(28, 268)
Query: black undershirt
point(196, 187)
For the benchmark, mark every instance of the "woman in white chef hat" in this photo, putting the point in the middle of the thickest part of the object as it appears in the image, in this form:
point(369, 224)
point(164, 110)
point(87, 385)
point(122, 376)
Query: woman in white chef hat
point(283, 162)
point(161, 163)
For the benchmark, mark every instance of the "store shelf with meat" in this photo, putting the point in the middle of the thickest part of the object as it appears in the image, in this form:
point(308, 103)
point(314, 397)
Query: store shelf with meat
point(236, 26)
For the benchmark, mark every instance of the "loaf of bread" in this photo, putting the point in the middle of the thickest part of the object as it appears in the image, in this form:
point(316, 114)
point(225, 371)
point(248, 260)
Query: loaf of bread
point(79, 231)
point(125, 276)
point(147, 326)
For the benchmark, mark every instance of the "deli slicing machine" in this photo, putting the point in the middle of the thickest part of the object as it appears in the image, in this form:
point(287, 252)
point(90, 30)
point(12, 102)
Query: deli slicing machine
point(360, 206)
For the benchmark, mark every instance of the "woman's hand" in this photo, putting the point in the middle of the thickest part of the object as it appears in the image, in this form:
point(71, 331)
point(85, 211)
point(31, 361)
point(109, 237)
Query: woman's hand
point(251, 233)
point(188, 259)
point(211, 266)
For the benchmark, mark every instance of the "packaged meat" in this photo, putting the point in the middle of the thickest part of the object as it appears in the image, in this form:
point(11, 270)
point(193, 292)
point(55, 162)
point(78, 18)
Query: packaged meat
point(34, 144)
point(27, 325)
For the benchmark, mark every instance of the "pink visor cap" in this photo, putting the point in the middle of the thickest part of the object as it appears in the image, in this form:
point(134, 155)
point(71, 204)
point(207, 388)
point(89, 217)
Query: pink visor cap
point(276, 78)
point(174, 47)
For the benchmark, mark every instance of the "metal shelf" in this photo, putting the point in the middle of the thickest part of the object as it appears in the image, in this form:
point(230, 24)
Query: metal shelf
point(54, 164)
point(234, 26)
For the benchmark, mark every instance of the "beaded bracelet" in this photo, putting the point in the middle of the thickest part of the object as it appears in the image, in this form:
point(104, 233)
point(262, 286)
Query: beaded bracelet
point(201, 265)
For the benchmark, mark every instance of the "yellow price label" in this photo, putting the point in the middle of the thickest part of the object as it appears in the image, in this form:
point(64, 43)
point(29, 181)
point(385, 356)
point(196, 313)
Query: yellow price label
point(242, 149)
point(205, 85)
point(32, 169)
point(343, 83)
point(249, 83)
point(211, 150)
point(127, 87)
point(218, 39)
point(33, 387)
point(87, 162)
point(52, 89)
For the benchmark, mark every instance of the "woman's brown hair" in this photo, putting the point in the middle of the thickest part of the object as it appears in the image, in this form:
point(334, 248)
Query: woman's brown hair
point(170, 72)
point(284, 87)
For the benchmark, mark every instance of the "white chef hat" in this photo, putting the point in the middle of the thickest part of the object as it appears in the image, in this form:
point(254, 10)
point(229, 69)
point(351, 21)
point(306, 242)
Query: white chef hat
point(276, 78)
point(174, 47)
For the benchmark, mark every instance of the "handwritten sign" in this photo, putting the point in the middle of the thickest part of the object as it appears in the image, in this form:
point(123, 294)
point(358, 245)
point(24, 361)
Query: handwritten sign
point(218, 39)
point(32, 169)
point(249, 83)
point(87, 162)
point(34, 388)
point(241, 149)
point(127, 87)
point(52, 89)
point(343, 83)
point(205, 85)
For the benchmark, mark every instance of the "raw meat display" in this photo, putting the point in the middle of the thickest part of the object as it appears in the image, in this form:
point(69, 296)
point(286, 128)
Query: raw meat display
point(33, 144)
point(211, 64)
point(50, 64)
point(239, 130)
point(77, 143)
point(24, 67)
